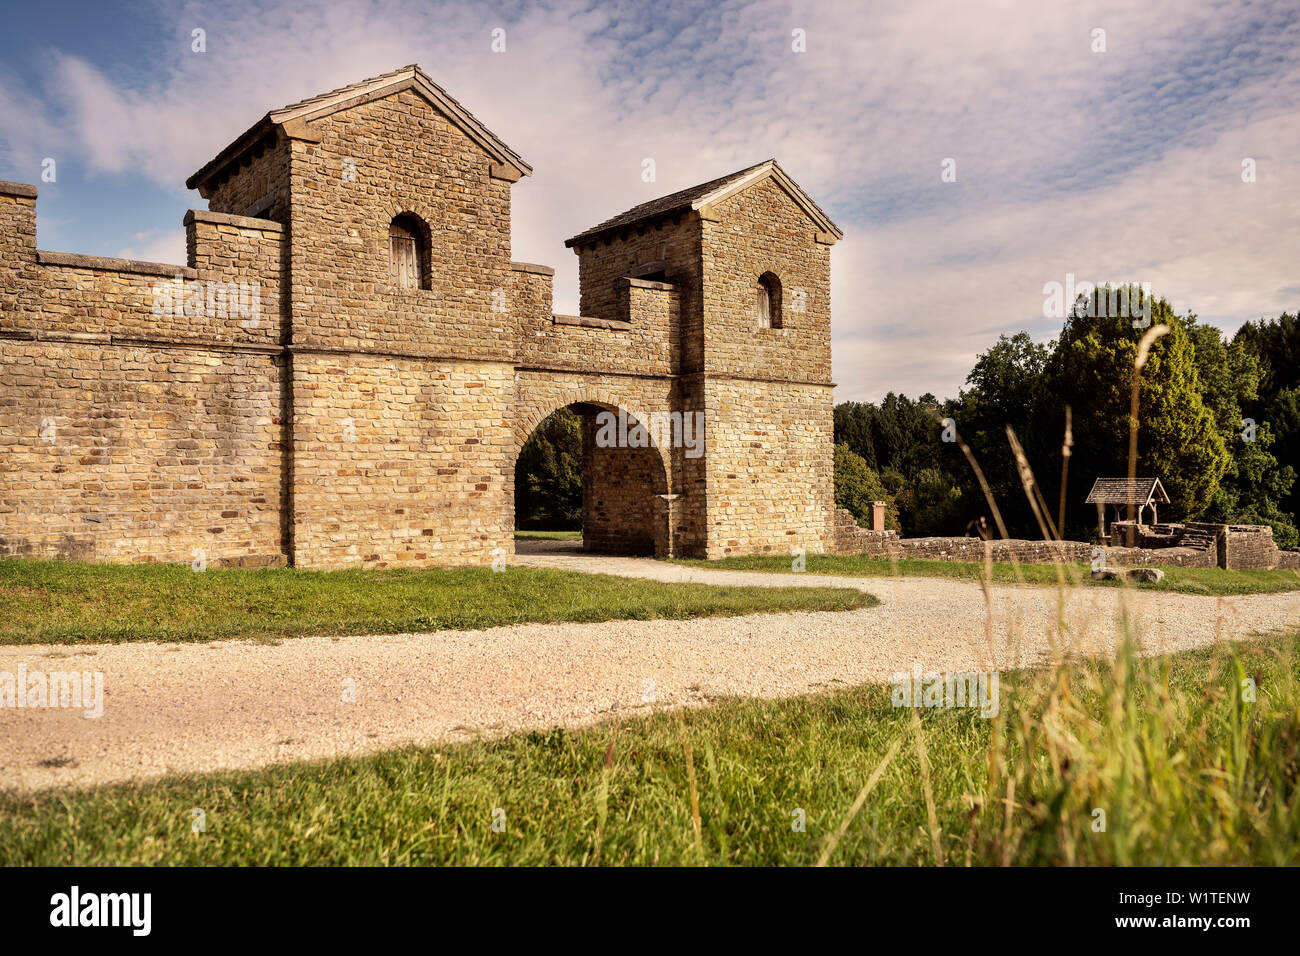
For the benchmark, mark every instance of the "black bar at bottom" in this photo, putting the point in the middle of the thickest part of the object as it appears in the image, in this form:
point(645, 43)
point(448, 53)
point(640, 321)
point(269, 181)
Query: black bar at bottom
point(332, 906)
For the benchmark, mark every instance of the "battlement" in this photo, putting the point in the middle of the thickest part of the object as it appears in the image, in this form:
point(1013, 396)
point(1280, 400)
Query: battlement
point(346, 366)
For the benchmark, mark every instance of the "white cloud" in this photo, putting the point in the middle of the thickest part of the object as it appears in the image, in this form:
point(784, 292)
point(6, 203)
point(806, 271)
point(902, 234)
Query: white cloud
point(1117, 165)
point(166, 247)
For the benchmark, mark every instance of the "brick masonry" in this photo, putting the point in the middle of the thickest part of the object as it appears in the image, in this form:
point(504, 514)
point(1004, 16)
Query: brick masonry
point(344, 418)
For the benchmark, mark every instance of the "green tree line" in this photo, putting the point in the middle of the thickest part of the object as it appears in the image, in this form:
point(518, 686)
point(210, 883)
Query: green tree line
point(1218, 423)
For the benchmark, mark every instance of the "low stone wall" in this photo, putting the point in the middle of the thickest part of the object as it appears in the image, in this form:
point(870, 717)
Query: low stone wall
point(1247, 546)
point(1008, 549)
point(1169, 557)
point(1194, 545)
point(851, 539)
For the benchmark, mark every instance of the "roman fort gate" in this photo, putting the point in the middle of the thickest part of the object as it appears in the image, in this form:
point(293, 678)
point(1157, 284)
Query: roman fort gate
point(348, 365)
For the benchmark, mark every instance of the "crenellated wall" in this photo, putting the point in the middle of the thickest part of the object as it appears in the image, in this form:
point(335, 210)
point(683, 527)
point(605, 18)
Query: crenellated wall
point(139, 419)
point(285, 397)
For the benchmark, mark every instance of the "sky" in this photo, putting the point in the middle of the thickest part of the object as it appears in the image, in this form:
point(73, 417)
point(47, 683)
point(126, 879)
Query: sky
point(972, 152)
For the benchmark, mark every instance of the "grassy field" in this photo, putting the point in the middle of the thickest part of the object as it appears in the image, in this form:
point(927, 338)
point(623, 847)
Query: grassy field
point(45, 602)
point(548, 535)
point(1183, 768)
point(1212, 581)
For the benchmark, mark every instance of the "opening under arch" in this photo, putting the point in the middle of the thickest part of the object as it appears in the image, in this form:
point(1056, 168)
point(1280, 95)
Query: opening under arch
point(408, 253)
point(768, 301)
point(569, 477)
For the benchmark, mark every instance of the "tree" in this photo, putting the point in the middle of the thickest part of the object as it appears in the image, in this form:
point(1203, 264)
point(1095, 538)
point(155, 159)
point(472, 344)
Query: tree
point(857, 486)
point(1178, 439)
point(1275, 344)
point(548, 475)
point(853, 422)
point(903, 440)
point(1005, 388)
point(930, 505)
point(1254, 485)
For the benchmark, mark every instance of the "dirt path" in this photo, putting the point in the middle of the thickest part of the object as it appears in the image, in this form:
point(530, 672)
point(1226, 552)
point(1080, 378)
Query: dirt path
point(228, 704)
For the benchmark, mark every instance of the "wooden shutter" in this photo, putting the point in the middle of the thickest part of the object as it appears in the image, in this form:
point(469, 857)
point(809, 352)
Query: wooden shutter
point(403, 257)
point(764, 306)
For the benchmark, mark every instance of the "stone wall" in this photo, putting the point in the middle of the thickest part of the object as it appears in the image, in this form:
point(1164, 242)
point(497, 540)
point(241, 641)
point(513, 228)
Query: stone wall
point(140, 453)
point(399, 461)
point(141, 412)
point(852, 539)
point(672, 248)
point(770, 485)
point(622, 511)
point(1248, 546)
point(257, 186)
point(1169, 557)
point(640, 343)
point(19, 273)
point(344, 420)
point(227, 253)
point(235, 261)
point(408, 159)
point(1228, 546)
point(762, 230)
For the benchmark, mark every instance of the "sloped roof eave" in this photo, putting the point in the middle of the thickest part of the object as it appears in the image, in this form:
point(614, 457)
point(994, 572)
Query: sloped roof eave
point(236, 148)
point(318, 107)
point(793, 189)
point(1109, 491)
point(692, 200)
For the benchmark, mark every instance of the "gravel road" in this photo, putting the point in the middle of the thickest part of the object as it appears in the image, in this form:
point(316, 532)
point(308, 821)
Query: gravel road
point(237, 704)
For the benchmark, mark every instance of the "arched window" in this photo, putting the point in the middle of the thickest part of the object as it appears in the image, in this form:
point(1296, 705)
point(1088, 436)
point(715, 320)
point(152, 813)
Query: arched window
point(408, 254)
point(769, 301)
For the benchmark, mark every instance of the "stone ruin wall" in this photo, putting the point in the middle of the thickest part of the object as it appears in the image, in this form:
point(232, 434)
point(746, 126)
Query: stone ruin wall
point(1236, 547)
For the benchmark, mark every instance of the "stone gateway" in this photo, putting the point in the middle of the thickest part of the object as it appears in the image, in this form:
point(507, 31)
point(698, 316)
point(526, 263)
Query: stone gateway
point(346, 368)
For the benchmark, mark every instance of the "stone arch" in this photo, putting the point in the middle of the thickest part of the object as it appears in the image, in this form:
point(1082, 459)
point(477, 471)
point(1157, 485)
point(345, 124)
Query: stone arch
point(531, 414)
point(414, 208)
point(642, 492)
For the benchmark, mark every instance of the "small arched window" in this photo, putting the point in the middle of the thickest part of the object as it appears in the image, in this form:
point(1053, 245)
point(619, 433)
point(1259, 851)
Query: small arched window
point(769, 301)
point(408, 254)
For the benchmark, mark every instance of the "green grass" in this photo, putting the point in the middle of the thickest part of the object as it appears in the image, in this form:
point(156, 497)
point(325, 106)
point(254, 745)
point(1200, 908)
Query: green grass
point(548, 535)
point(1186, 771)
point(44, 602)
point(1212, 581)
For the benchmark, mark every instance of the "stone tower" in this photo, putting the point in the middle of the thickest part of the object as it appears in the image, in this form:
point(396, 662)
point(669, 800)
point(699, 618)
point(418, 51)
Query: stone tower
point(749, 256)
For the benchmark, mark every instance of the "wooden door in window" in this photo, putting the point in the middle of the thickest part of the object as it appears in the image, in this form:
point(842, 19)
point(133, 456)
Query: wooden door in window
point(403, 257)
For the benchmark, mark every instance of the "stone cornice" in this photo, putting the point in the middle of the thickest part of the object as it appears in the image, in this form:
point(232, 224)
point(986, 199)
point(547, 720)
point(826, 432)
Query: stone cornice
point(73, 260)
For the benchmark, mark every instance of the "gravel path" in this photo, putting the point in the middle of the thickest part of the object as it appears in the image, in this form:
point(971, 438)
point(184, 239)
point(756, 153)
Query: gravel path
point(228, 704)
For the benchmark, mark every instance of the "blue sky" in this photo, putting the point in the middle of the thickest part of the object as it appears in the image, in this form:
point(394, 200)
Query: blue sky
point(1122, 165)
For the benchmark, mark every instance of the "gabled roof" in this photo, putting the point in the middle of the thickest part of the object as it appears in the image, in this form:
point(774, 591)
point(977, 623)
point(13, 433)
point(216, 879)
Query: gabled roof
point(1121, 491)
point(345, 97)
point(705, 194)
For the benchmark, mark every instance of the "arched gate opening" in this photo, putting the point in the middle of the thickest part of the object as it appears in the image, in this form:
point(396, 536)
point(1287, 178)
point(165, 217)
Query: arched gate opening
point(594, 469)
